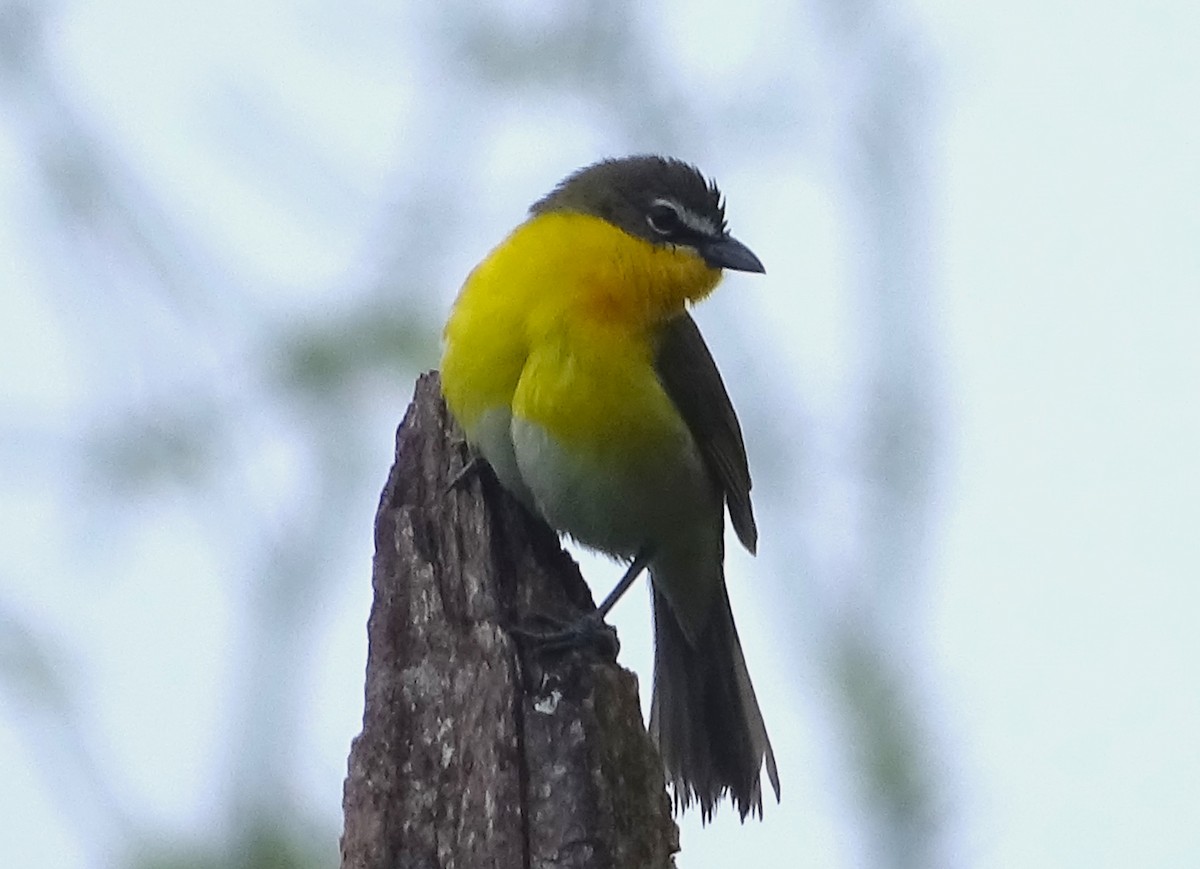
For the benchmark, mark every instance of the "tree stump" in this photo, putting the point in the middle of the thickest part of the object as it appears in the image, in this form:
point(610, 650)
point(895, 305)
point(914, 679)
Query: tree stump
point(476, 751)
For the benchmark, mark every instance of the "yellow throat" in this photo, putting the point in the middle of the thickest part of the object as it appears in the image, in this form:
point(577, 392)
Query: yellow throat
point(559, 281)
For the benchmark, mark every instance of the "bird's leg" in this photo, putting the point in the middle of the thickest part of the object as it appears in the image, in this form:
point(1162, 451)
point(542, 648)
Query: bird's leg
point(590, 629)
point(473, 465)
point(639, 563)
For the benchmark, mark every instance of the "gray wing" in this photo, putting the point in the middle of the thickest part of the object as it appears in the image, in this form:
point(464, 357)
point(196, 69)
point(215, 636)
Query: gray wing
point(690, 377)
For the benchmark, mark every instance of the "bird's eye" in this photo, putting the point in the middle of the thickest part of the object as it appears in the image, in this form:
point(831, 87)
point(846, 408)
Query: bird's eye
point(663, 218)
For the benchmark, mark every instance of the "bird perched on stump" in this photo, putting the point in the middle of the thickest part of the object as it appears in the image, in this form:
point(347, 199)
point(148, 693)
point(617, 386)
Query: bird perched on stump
point(575, 370)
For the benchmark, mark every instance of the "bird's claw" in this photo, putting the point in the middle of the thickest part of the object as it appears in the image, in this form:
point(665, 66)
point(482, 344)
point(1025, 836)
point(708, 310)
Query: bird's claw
point(589, 630)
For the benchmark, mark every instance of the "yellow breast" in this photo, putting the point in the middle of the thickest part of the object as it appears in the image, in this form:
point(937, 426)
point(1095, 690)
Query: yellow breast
point(570, 304)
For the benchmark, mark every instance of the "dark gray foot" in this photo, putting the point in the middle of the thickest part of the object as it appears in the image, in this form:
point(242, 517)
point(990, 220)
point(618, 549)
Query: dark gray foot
point(553, 636)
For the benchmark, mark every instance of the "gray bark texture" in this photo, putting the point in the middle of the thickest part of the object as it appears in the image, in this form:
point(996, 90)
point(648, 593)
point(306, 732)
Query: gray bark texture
point(476, 751)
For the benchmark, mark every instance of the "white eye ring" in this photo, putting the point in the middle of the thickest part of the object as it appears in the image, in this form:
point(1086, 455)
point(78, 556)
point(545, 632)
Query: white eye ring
point(663, 216)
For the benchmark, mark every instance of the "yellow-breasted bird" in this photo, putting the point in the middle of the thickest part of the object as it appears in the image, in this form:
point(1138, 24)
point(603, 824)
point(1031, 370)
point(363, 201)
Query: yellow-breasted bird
point(572, 365)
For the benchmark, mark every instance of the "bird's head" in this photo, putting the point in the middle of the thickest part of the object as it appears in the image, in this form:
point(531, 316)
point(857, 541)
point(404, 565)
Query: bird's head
point(657, 199)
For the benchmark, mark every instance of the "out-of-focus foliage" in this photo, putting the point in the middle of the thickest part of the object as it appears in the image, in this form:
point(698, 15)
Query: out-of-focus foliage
point(265, 846)
point(204, 390)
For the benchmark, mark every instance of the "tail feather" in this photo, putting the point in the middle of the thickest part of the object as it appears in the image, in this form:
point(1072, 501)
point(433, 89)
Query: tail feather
point(704, 717)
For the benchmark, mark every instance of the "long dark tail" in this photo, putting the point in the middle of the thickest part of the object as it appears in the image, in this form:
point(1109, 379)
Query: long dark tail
point(704, 716)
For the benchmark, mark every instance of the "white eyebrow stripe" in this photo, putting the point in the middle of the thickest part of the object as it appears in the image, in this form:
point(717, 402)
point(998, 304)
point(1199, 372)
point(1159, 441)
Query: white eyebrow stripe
point(693, 221)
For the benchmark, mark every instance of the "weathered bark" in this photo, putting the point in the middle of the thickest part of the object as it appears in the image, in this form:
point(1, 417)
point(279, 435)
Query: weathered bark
point(476, 752)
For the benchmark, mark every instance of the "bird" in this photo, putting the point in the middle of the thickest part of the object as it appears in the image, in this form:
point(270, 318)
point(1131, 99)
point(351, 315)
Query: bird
point(574, 368)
